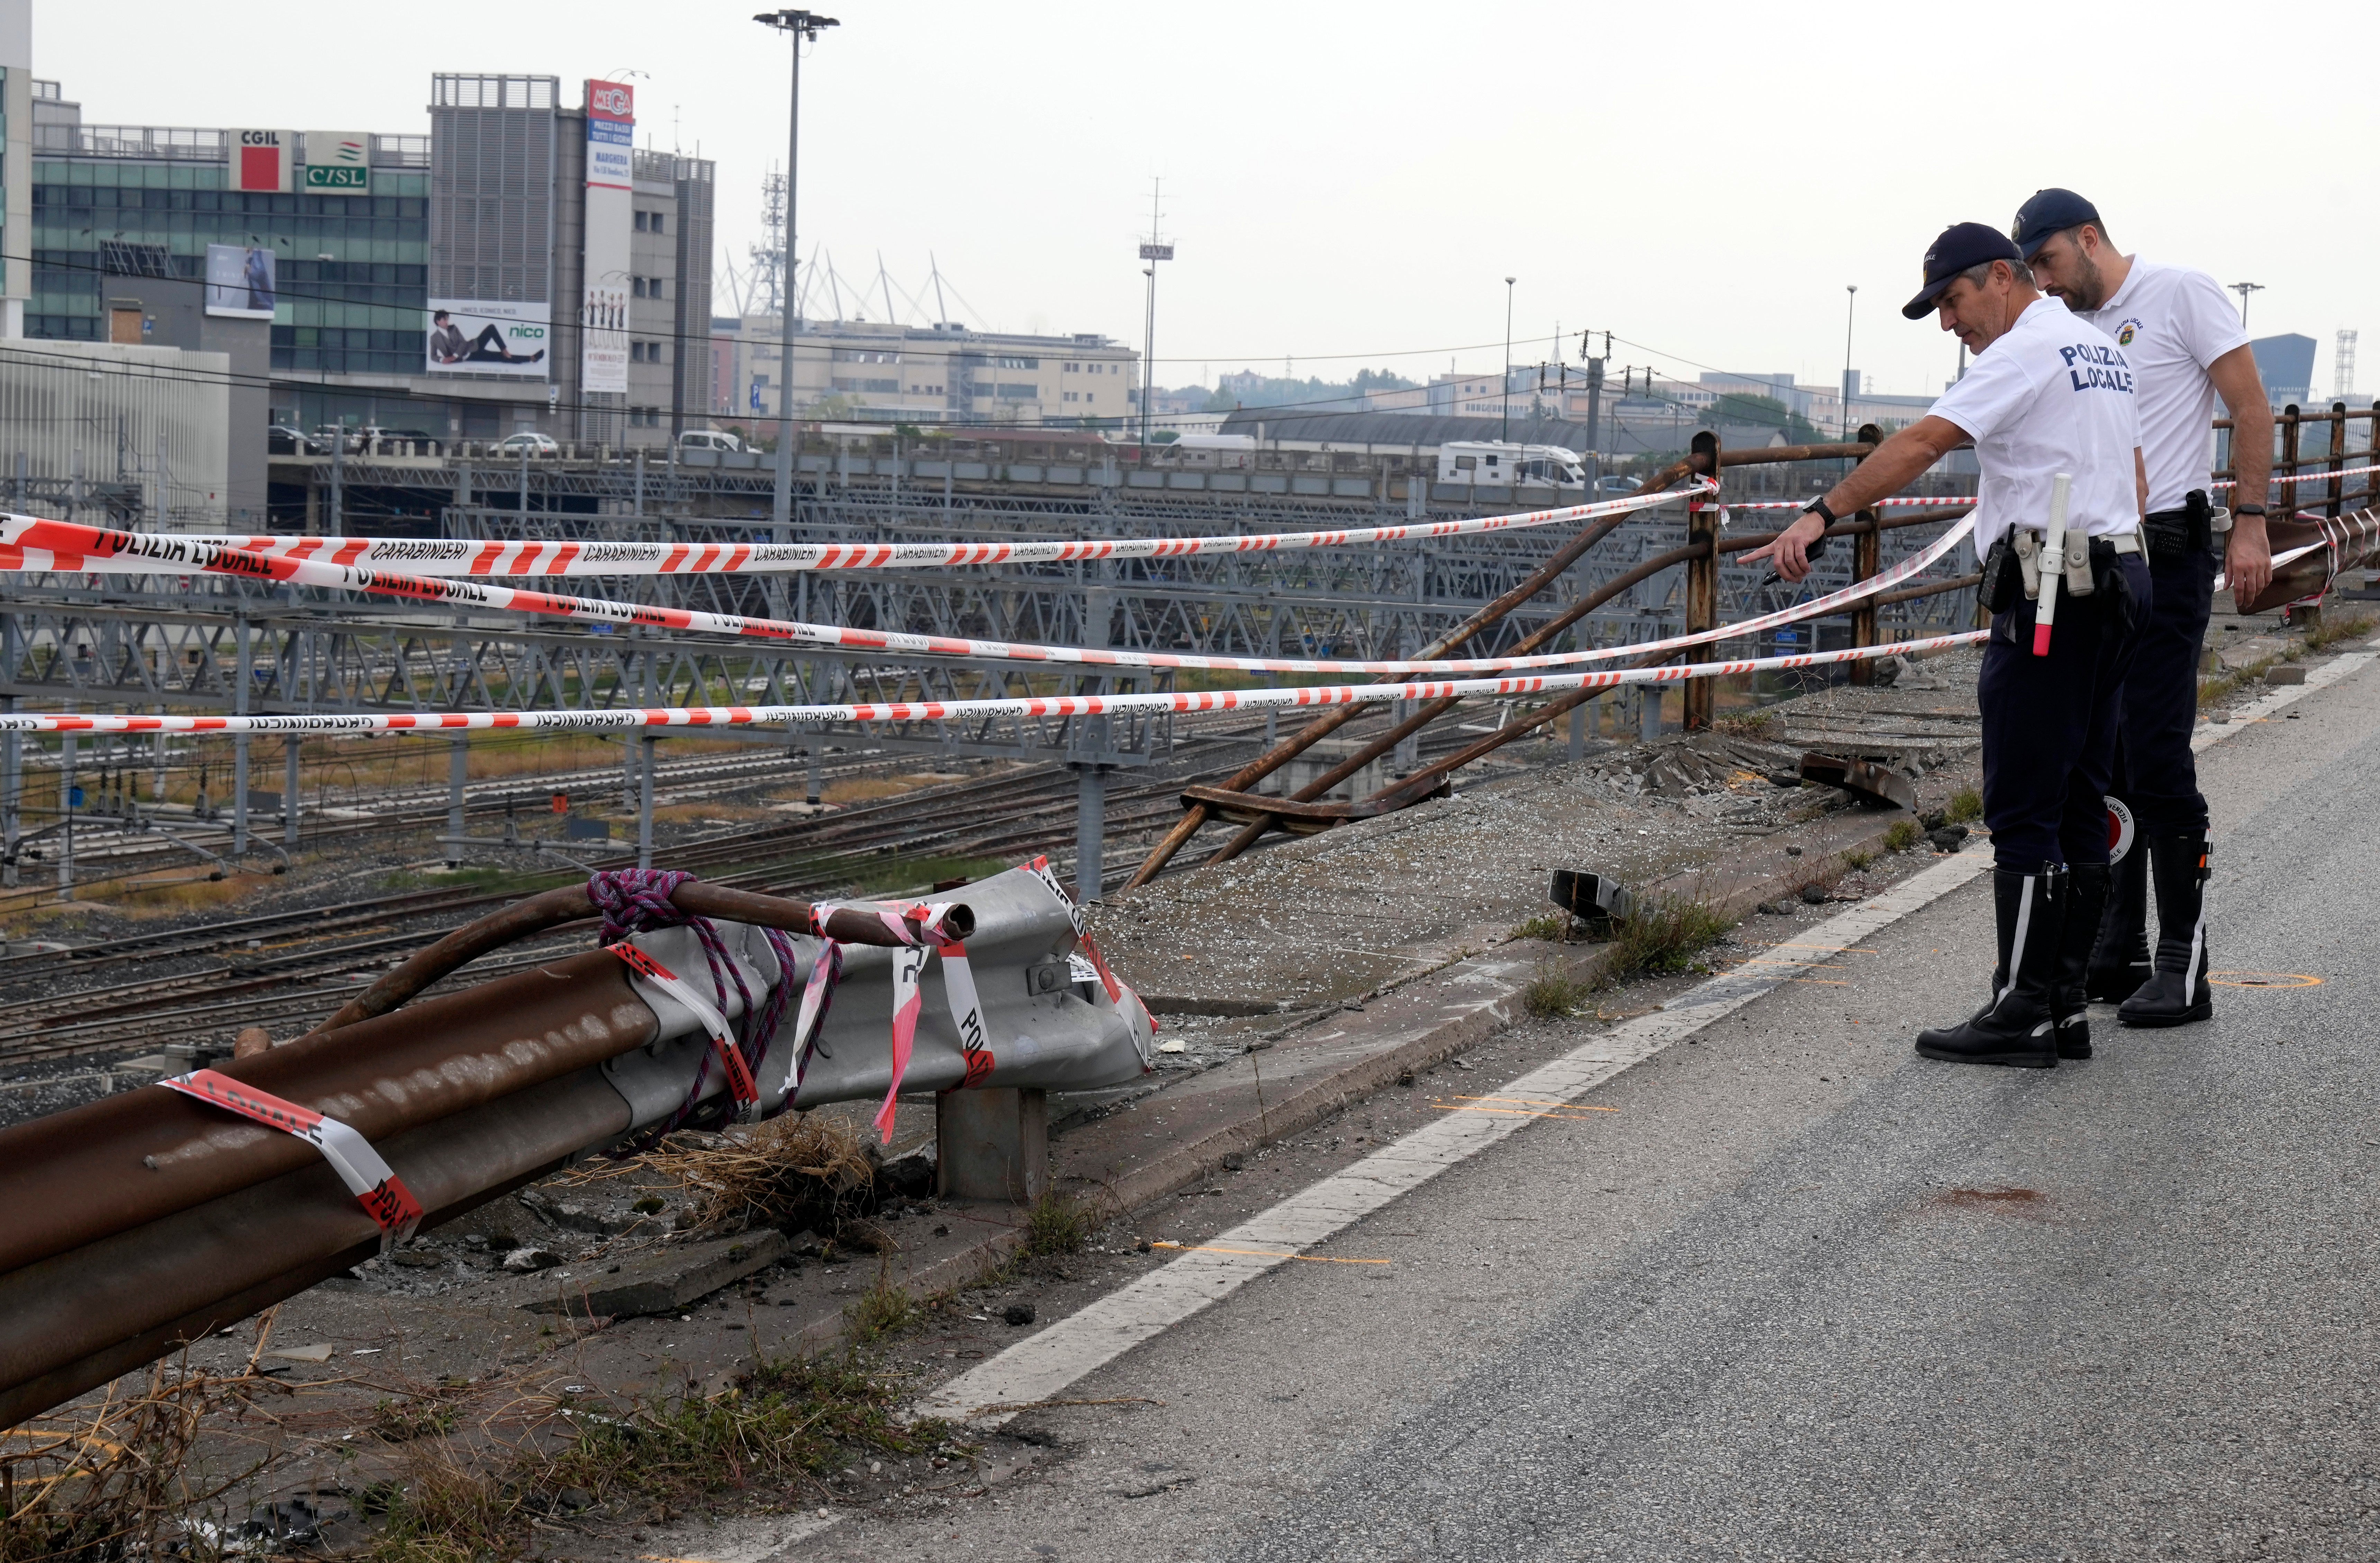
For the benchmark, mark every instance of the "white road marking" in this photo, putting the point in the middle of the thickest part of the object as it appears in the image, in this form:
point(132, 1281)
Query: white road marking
point(2209, 734)
point(1043, 1365)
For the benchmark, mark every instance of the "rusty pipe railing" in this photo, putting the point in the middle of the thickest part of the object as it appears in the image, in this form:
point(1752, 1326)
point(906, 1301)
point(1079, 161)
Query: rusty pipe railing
point(1196, 817)
point(570, 903)
point(1429, 710)
point(1423, 782)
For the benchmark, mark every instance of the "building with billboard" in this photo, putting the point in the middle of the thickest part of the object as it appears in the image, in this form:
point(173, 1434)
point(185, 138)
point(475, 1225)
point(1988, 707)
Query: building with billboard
point(358, 239)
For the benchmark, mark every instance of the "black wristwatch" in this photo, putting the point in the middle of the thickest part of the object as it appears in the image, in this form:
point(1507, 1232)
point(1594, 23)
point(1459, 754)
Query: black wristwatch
point(2248, 510)
point(1818, 507)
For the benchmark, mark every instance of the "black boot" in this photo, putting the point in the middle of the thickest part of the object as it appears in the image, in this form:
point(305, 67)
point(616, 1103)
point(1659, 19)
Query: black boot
point(2087, 893)
point(2015, 1027)
point(2120, 963)
point(2177, 993)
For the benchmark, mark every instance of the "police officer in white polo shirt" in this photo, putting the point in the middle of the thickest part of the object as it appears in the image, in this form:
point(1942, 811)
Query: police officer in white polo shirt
point(2185, 345)
point(2046, 395)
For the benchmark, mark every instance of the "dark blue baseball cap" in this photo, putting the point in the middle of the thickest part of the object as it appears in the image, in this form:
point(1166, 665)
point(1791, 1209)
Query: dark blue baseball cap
point(1959, 245)
point(2048, 213)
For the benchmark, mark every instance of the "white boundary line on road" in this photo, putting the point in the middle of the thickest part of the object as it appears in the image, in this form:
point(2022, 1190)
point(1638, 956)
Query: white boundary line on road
point(1042, 1366)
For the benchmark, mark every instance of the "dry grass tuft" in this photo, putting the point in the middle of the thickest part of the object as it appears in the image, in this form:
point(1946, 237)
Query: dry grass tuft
point(805, 1170)
point(2332, 631)
point(118, 1484)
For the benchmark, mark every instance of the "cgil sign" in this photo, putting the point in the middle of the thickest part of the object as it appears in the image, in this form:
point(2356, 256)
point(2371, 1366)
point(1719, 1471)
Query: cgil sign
point(260, 161)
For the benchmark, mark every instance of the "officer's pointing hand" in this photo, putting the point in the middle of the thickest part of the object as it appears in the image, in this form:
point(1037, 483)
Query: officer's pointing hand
point(1790, 552)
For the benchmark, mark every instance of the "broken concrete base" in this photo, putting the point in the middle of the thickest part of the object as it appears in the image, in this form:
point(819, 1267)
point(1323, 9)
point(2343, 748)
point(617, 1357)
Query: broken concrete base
point(665, 1280)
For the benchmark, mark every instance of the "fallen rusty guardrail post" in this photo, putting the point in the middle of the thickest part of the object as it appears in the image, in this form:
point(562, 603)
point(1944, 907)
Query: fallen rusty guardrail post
point(148, 1217)
point(2309, 555)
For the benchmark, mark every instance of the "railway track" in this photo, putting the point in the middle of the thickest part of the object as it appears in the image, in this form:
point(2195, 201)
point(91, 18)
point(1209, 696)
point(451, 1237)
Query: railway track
point(285, 969)
point(275, 969)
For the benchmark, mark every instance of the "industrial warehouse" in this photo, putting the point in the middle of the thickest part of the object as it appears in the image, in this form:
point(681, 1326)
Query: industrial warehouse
point(806, 801)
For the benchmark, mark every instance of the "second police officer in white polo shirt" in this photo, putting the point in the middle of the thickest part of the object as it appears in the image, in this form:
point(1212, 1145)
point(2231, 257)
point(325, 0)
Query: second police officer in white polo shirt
point(2186, 345)
point(2046, 395)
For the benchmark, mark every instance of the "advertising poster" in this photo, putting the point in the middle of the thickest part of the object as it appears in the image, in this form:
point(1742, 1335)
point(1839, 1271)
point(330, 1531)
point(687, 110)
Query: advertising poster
point(604, 331)
point(339, 163)
point(240, 281)
point(611, 135)
point(611, 217)
point(487, 336)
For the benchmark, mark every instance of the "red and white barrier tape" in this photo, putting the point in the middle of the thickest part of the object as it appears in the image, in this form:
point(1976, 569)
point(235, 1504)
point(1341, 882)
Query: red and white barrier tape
point(740, 1083)
point(633, 718)
point(374, 1184)
point(115, 548)
point(908, 969)
point(490, 556)
point(1950, 499)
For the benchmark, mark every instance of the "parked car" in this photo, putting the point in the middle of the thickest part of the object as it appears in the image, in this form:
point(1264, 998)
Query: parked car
point(528, 441)
point(708, 439)
point(283, 439)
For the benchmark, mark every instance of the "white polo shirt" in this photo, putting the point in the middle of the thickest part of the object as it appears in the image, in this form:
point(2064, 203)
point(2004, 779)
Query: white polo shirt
point(2172, 322)
point(2052, 396)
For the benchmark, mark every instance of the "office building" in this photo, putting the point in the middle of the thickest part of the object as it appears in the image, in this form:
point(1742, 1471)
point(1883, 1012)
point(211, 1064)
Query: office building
point(2285, 364)
point(573, 271)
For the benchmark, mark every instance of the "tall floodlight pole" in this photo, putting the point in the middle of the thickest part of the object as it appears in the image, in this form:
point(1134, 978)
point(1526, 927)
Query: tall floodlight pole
point(1152, 250)
point(800, 27)
point(1506, 437)
point(2243, 289)
point(1851, 303)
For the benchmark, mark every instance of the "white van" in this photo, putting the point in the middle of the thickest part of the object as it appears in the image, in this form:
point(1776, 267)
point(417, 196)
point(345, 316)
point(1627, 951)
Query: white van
point(708, 439)
point(1493, 462)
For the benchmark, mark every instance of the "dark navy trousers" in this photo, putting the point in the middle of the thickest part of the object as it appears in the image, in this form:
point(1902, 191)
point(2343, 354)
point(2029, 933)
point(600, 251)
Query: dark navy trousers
point(2050, 722)
point(2154, 770)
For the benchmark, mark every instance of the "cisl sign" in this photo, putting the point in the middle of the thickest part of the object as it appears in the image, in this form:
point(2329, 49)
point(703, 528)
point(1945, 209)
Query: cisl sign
point(339, 163)
point(260, 161)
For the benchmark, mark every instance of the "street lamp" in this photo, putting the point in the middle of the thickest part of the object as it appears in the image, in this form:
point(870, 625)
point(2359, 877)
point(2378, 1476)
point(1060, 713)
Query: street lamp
point(1151, 250)
point(801, 27)
point(1506, 437)
point(2243, 289)
point(1851, 303)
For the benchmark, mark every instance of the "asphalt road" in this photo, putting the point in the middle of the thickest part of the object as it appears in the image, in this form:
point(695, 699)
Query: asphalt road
point(1804, 1295)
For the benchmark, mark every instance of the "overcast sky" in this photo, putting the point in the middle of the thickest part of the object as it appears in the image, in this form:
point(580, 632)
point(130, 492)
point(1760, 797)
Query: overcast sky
point(1349, 184)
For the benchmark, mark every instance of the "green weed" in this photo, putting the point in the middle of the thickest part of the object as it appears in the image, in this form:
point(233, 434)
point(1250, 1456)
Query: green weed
point(1966, 805)
point(1057, 1224)
point(1901, 834)
point(883, 1309)
point(1665, 935)
point(1551, 993)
